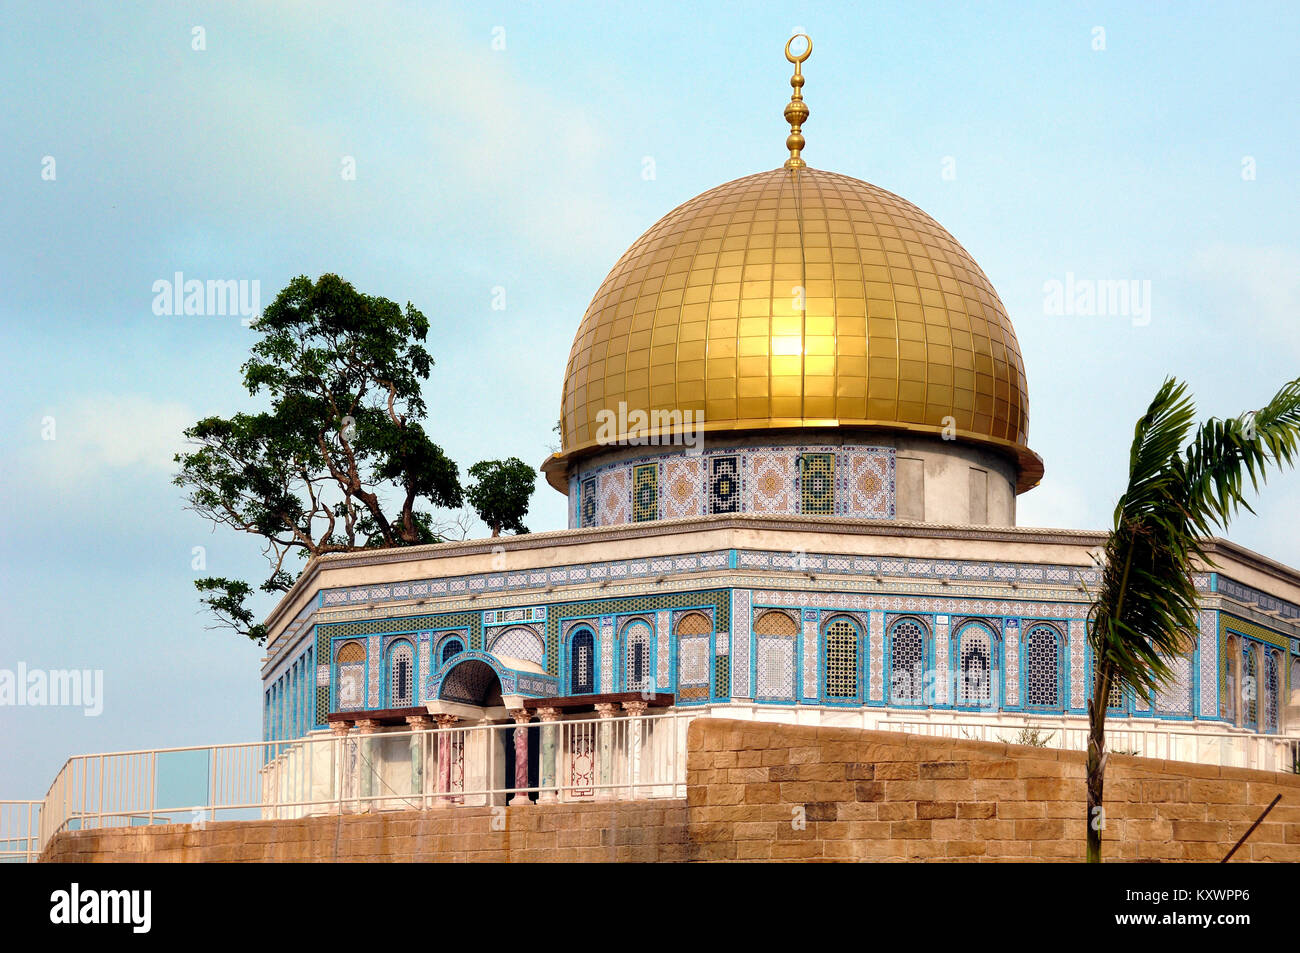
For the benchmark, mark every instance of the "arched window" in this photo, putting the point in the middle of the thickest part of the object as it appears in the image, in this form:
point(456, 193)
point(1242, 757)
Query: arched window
point(350, 676)
point(450, 648)
point(694, 623)
point(975, 667)
point(637, 676)
point(694, 657)
point(774, 663)
point(907, 663)
point(520, 643)
point(841, 659)
point(1043, 667)
point(775, 623)
point(1249, 686)
point(582, 662)
point(401, 675)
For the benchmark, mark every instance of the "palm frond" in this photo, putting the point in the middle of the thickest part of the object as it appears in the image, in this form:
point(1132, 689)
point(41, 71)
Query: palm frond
point(1144, 614)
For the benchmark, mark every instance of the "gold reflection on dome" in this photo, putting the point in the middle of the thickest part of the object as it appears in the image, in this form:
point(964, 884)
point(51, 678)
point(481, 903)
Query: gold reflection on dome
point(801, 298)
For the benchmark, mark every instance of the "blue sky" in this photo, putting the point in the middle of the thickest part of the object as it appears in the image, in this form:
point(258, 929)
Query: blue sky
point(521, 167)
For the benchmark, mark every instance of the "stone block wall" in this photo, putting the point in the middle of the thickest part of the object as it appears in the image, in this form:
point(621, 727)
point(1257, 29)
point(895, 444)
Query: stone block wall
point(775, 792)
point(783, 792)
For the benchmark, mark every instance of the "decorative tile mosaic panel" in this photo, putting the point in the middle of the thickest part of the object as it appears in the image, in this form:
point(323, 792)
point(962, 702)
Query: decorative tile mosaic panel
point(645, 493)
point(682, 493)
point(723, 480)
point(508, 616)
point(769, 483)
point(1078, 690)
point(1248, 594)
point(1176, 698)
point(663, 649)
point(590, 502)
point(351, 691)
point(876, 655)
point(817, 484)
point(374, 648)
point(810, 654)
point(740, 643)
point(693, 667)
point(775, 668)
point(519, 643)
point(941, 659)
point(606, 654)
point(724, 484)
point(1011, 657)
point(868, 484)
point(614, 498)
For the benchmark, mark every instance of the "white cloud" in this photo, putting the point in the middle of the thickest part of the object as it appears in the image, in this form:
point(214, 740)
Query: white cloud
point(97, 434)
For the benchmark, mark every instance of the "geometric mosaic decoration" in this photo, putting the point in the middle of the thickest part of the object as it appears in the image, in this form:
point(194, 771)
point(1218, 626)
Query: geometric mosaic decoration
point(645, 493)
point(587, 496)
point(770, 483)
point(724, 485)
point(817, 484)
point(682, 493)
point(851, 480)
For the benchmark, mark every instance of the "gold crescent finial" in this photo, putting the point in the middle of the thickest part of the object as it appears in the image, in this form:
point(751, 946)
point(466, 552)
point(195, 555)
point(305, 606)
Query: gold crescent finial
point(796, 111)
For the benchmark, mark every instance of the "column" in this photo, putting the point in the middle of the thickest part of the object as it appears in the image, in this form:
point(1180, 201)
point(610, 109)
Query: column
point(549, 765)
point(418, 724)
point(521, 716)
point(635, 739)
point(445, 753)
point(366, 764)
point(605, 746)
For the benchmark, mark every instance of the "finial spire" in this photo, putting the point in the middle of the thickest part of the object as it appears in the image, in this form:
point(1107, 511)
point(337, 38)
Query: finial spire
point(796, 111)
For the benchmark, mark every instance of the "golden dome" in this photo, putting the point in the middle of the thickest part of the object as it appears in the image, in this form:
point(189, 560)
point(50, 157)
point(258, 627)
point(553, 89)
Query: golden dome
point(899, 329)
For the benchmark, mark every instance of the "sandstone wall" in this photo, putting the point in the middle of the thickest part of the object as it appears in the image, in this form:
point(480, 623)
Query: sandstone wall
point(783, 792)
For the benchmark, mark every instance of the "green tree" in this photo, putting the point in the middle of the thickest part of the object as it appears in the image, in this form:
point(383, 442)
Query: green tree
point(1178, 493)
point(501, 492)
point(340, 461)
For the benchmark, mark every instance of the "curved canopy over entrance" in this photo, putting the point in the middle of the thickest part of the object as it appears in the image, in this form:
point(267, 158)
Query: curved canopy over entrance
point(472, 682)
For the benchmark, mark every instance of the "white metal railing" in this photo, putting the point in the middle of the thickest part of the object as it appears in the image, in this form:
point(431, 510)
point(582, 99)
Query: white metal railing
point(581, 759)
point(19, 831)
point(1228, 749)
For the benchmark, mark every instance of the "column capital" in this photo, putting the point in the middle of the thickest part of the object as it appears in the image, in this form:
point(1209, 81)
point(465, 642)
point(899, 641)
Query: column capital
point(548, 714)
point(419, 722)
point(522, 716)
point(607, 709)
point(339, 729)
point(367, 726)
point(635, 707)
point(446, 721)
